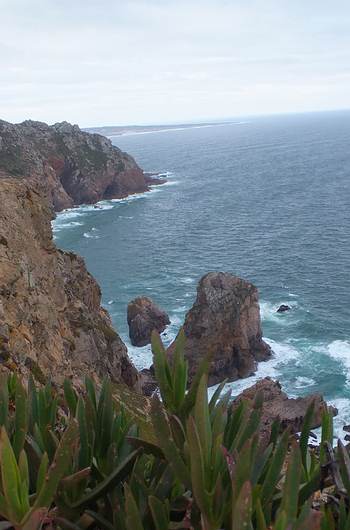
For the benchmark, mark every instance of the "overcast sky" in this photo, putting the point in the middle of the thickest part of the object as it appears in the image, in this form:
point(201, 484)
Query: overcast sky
point(104, 62)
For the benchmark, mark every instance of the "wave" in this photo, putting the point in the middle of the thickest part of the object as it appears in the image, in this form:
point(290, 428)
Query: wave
point(343, 418)
point(303, 382)
point(65, 224)
point(64, 219)
point(340, 351)
point(283, 354)
point(92, 234)
point(268, 311)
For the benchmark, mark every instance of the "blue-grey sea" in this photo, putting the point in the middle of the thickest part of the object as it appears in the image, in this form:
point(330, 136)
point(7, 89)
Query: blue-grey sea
point(265, 198)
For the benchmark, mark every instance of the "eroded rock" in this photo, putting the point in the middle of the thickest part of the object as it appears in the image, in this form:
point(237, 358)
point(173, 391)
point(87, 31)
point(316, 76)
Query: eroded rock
point(144, 316)
point(278, 406)
point(225, 320)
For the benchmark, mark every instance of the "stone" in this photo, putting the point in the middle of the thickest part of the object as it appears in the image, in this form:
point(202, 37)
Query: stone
point(278, 406)
point(225, 321)
point(283, 308)
point(144, 316)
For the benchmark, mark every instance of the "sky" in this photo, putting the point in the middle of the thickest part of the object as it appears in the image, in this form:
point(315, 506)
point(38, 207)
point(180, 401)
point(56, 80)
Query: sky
point(122, 62)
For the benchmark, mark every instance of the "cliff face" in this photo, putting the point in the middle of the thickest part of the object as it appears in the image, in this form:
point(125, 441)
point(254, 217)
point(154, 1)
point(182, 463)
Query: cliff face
point(51, 320)
point(68, 166)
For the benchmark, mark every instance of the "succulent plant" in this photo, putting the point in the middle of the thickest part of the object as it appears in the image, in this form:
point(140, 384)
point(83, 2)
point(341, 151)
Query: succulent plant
point(81, 460)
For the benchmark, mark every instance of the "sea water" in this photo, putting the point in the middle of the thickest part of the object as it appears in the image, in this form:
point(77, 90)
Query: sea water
point(267, 199)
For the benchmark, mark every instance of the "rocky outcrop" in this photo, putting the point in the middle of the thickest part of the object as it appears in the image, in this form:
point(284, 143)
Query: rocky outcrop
point(283, 308)
point(51, 320)
point(278, 406)
point(225, 321)
point(67, 165)
point(144, 316)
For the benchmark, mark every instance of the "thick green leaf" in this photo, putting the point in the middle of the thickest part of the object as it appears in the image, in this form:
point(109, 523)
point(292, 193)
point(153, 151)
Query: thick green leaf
point(85, 452)
point(133, 518)
point(305, 433)
point(274, 471)
point(58, 467)
point(11, 481)
point(115, 477)
point(242, 509)
point(160, 513)
point(4, 401)
point(197, 467)
point(21, 419)
point(167, 444)
point(290, 495)
point(202, 418)
point(70, 396)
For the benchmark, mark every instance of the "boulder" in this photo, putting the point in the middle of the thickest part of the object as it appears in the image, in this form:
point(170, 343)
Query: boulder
point(144, 316)
point(278, 406)
point(283, 308)
point(225, 321)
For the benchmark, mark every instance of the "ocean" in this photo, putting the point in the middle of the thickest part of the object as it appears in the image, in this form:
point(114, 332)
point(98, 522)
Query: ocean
point(267, 199)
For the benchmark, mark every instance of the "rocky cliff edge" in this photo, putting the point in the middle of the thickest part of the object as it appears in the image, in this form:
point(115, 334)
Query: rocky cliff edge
point(67, 165)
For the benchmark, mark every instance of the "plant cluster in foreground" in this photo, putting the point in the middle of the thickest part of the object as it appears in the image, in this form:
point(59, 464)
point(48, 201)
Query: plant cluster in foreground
point(80, 461)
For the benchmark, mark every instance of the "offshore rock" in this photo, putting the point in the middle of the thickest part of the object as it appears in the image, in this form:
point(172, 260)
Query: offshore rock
point(144, 316)
point(51, 320)
point(225, 321)
point(67, 165)
point(278, 406)
point(283, 308)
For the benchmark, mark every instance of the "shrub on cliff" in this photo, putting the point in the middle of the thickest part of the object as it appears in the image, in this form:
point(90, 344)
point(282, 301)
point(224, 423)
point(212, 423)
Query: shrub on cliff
point(79, 460)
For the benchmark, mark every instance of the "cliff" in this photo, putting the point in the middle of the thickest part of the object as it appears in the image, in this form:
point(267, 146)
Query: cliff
point(51, 320)
point(67, 165)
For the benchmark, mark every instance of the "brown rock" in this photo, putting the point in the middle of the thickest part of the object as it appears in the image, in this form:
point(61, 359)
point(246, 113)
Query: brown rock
point(51, 319)
point(225, 320)
point(144, 317)
point(68, 166)
point(278, 406)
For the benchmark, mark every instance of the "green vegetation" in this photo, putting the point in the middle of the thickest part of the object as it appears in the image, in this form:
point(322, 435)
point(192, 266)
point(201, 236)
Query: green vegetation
point(84, 461)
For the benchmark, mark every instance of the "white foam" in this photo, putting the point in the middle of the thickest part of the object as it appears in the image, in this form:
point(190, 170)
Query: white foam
point(186, 279)
point(164, 174)
point(343, 418)
point(62, 225)
point(303, 382)
point(64, 218)
point(340, 351)
point(170, 183)
point(90, 235)
point(268, 311)
point(282, 354)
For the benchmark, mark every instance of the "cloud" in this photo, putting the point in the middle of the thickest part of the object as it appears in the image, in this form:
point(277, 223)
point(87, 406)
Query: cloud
point(136, 61)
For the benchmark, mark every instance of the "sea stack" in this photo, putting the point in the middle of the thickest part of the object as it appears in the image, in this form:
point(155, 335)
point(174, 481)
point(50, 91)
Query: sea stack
point(225, 321)
point(144, 316)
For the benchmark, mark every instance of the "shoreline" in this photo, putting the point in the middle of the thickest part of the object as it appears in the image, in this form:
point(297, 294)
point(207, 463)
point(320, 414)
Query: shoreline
point(150, 181)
